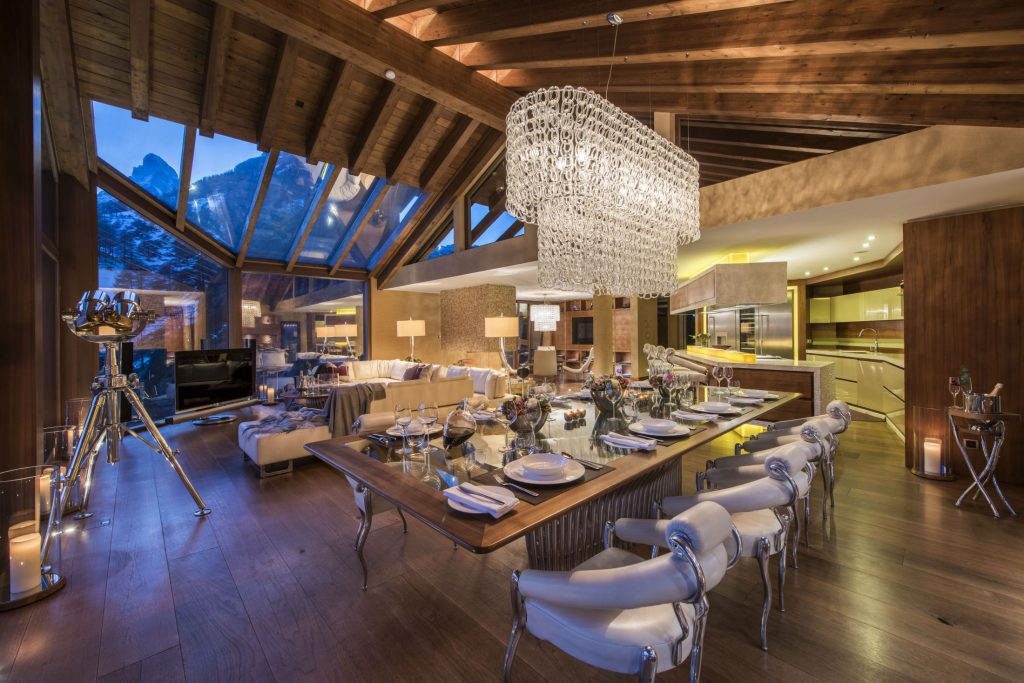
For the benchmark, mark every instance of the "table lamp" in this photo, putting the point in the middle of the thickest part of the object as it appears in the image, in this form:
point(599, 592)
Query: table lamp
point(412, 328)
point(499, 328)
point(327, 331)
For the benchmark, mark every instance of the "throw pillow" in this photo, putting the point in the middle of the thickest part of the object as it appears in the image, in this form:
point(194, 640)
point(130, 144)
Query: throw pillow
point(411, 373)
point(457, 371)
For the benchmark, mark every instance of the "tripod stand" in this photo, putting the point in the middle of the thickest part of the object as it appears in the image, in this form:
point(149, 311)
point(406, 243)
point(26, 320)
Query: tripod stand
point(103, 423)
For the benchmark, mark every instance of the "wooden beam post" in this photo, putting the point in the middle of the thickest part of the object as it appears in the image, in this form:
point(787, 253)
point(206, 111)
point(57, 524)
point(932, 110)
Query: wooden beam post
point(458, 137)
point(140, 15)
point(188, 153)
point(235, 307)
point(287, 53)
point(414, 138)
point(78, 240)
point(216, 64)
point(60, 90)
point(376, 120)
point(334, 102)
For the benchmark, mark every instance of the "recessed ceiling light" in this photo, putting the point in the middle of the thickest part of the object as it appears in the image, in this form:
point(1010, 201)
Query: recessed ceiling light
point(825, 268)
point(807, 273)
point(871, 237)
point(865, 245)
point(856, 258)
point(389, 74)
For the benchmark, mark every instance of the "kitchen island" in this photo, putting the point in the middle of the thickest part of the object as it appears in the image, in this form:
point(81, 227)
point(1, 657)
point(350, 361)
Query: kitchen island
point(814, 380)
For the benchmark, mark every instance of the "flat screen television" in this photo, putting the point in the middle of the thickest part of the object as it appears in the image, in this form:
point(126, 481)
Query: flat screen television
point(583, 331)
point(213, 377)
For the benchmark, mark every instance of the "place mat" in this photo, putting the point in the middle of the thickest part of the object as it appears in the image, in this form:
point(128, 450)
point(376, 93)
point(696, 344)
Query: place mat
point(546, 492)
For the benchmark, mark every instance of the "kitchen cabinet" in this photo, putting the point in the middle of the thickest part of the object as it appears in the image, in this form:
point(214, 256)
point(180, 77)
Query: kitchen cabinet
point(869, 383)
point(820, 310)
point(878, 304)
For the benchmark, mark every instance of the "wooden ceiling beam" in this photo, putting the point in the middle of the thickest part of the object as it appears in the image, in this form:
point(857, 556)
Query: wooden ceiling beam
point(511, 231)
point(712, 164)
point(316, 205)
point(149, 207)
point(330, 109)
point(806, 28)
point(287, 54)
point(458, 137)
point(345, 30)
point(377, 118)
point(188, 153)
point(741, 153)
point(373, 201)
point(488, 220)
point(417, 229)
point(305, 269)
point(70, 123)
point(386, 9)
point(216, 64)
point(401, 160)
point(967, 110)
point(256, 206)
point(499, 19)
point(140, 40)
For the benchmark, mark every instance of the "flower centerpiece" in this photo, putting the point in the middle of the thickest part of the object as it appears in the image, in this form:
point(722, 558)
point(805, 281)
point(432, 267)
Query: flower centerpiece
point(607, 392)
point(526, 414)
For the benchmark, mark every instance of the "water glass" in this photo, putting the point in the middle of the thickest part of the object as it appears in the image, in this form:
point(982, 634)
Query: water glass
point(403, 418)
point(428, 416)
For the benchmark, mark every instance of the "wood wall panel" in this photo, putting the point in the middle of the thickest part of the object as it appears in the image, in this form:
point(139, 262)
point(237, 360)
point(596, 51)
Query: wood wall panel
point(964, 306)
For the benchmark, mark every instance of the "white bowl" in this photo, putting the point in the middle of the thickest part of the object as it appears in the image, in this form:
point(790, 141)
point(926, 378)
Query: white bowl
point(657, 426)
point(544, 465)
point(716, 405)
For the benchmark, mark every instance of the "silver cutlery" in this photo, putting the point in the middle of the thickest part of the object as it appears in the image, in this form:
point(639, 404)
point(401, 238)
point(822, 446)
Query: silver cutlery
point(478, 494)
point(585, 463)
point(507, 484)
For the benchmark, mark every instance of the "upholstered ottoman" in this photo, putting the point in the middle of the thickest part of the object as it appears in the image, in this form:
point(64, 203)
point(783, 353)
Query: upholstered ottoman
point(273, 452)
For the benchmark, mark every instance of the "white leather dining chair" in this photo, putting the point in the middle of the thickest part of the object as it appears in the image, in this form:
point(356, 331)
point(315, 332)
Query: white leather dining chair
point(762, 512)
point(621, 613)
point(545, 362)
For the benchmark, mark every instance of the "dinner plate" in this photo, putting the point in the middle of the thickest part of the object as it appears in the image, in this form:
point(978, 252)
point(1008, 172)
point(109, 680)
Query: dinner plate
point(493, 491)
point(691, 417)
point(677, 432)
point(572, 472)
point(546, 466)
point(746, 400)
point(395, 430)
point(757, 393)
point(731, 410)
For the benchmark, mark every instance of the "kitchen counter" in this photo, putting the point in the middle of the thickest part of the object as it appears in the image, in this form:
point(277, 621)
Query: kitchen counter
point(813, 379)
point(895, 359)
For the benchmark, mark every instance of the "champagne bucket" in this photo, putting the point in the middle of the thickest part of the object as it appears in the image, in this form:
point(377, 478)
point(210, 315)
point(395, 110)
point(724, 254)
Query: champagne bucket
point(991, 403)
point(974, 403)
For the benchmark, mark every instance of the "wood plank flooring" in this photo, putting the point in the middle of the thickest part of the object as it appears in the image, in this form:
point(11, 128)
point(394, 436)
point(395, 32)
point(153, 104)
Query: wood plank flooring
point(899, 585)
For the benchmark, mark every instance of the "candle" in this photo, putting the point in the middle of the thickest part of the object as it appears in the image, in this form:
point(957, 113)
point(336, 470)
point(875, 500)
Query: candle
point(71, 439)
point(44, 489)
point(263, 391)
point(270, 394)
point(932, 456)
point(21, 528)
point(25, 568)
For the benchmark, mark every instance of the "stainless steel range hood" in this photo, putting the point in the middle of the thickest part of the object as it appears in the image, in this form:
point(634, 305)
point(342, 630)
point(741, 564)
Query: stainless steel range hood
point(732, 284)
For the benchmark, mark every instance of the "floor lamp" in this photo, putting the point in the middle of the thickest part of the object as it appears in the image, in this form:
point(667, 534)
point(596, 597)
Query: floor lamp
point(347, 330)
point(327, 331)
point(412, 328)
point(499, 328)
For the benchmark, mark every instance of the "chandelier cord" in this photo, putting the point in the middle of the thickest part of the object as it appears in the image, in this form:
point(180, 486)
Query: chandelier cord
point(611, 65)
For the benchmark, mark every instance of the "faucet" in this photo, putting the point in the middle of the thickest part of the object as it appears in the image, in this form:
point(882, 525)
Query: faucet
point(874, 346)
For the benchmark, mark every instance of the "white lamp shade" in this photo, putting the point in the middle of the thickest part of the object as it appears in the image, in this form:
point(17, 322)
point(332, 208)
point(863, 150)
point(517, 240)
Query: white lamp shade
point(545, 326)
point(327, 331)
point(501, 327)
point(346, 330)
point(412, 328)
point(545, 313)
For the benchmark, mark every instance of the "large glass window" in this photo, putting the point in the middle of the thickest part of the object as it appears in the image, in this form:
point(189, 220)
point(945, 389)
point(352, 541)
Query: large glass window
point(292, 189)
point(444, 247)
point(188, 291)
point(488, 220)
point(335, 220)
point(148, 152)
point(383, 227)
point(225, 177)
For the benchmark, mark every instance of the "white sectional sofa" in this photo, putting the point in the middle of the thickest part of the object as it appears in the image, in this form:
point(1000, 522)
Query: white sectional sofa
point(445, 385)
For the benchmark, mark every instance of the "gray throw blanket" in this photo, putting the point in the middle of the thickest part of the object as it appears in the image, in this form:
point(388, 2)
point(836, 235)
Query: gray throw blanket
point(287, 422)
point(347, 402)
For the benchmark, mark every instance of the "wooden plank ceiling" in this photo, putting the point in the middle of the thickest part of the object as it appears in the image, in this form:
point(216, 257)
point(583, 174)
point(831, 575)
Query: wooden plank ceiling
point(757, 83)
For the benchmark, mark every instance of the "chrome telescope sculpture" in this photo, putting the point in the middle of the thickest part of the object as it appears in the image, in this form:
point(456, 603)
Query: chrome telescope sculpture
point(102, 319)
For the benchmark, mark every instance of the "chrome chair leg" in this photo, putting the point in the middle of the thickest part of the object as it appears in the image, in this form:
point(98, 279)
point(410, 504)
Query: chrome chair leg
point(824, 490)
point(832, 482)
point(518, 624)
point(700, 619)
point(783, 543)
point(795, 536)
point(648, 665)
point(762, 562)
point(807, 520)
point(364, 532)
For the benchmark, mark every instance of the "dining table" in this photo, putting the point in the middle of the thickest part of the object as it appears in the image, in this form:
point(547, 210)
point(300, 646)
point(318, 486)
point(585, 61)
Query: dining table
point(563, 524)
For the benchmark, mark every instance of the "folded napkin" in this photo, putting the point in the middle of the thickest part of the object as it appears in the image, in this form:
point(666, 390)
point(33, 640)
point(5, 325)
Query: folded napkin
point(622, 441)
point(461, 494)
point(745, 401)
point(693, 417)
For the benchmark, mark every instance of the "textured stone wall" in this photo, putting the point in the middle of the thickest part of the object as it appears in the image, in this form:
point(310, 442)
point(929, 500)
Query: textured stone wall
point(462, 319)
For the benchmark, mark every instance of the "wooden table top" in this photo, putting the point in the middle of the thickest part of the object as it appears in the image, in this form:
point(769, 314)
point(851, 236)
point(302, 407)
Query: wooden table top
point(482, 533)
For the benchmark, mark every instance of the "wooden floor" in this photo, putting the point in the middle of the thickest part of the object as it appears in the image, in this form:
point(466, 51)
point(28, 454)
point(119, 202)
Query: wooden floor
point(900, 586)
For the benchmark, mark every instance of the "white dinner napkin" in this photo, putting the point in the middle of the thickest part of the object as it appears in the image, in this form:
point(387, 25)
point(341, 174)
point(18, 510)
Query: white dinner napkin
point(477, 503)
point(634, 442)
point(745, 401)
point(693, 417)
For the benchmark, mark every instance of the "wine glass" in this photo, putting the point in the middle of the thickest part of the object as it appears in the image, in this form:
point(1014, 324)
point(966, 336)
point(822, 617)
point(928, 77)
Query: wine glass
point(954, 389)
point(458, 429)
point(403, 418)
point(505, 415)
point(631, 407)
point(428, 416)
point(717, 373)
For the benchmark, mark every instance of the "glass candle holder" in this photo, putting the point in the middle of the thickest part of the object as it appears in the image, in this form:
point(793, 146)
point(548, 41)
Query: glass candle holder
point(30, 568)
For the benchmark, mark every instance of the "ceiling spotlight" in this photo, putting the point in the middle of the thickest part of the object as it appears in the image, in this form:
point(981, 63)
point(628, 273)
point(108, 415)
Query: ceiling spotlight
point(614, 19)
point(825, 268)
point(865, 245)
point(389, 74)
point(807, 273)
point(870, 238)
point(856, 258)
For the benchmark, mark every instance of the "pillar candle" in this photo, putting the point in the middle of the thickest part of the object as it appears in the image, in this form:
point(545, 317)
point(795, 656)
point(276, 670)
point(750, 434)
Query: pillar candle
point(44, 490)
point(270, 394)
point(25, 568)
point(30, 526)
point(932, 456)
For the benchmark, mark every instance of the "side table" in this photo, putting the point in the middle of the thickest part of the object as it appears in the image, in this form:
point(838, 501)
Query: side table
point(990, 431)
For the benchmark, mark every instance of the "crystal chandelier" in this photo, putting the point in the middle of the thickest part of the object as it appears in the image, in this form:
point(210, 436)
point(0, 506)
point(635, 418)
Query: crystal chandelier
point(612, 200)
point(545, 317)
